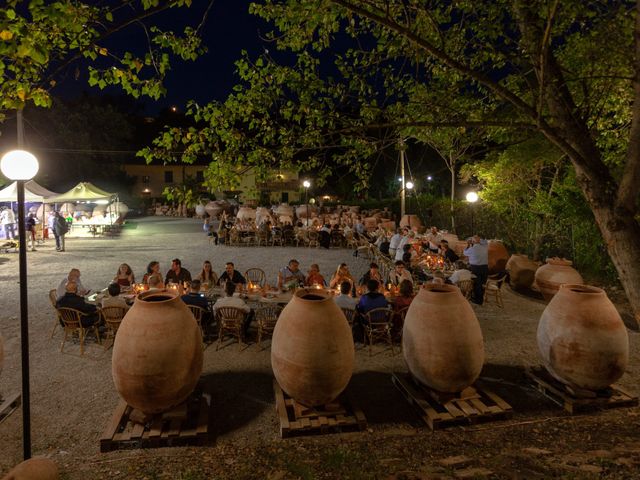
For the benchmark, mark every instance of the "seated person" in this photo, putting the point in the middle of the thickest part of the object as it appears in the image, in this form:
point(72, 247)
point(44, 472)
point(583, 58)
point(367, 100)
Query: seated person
point(194, 297)
point(177, 274)
point(408, 253)
point(460, 274)
point(71, 299)
point(405, 297)
point(345, 300)
point(314, 277)
point(399, 273)
point(372, 299)
point(124, 276)
point(231, 275)
point(438, 278)
point(342, 275)
point(73, 276)
point(324, 236)
point(114, 300)
point(230, 301)
point(290, 275)
point(448, 254)
point(153, 267)
point(155, 283)
point(372, 273)
point(384, 247)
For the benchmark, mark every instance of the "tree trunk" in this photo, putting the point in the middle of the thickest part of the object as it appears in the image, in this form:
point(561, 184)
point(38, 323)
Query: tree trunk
point(452, 169)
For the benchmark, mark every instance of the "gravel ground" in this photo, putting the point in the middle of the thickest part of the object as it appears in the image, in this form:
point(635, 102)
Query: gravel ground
point(73, 397)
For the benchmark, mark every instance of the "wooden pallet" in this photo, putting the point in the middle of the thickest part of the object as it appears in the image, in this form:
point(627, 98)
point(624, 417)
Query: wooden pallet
point(576, 401)
point(341, 415)
point(8, 405)
point(439, 410)
point(188, 423)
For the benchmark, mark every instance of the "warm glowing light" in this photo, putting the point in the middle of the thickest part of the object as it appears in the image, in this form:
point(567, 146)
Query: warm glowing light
point(19, 165)
point(306, 184)
point(409, 185)
point(472, 197)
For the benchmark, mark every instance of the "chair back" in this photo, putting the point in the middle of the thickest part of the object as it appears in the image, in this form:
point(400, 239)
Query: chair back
point(379, 316)
point(229, 314)
point(70, 317)
point(267, 316)
point(350, 313)
point(256, 276)
point(53, 297)
point(113, 314)
point(197, 312)
point(466, 287)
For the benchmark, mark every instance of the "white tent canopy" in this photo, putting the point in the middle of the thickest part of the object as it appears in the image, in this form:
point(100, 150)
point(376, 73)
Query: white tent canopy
point(33, 192)
point(82, 192)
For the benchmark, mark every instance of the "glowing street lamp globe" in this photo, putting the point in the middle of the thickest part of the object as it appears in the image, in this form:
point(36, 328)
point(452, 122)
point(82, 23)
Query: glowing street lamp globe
point(409, 185)
point(19, 165)
point(306, 184)
point(472, 197)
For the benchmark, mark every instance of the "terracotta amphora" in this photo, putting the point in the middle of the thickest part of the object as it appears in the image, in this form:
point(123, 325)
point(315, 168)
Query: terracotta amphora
point(554, 273)
point(441, 339)
point(498, 256)
point(522, 271)
point(582, 339)
point(157, 354)
point(1, 353)
point(246, 213)
point(411, 221)
point(312, 351)
point(37, 468)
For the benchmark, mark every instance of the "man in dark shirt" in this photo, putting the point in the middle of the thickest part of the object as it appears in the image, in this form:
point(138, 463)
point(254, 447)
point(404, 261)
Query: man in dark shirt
point(372, 274)
point(194, 297)
point(71, 299)
point(231, 275)
point(177, 274)
point(372, 299)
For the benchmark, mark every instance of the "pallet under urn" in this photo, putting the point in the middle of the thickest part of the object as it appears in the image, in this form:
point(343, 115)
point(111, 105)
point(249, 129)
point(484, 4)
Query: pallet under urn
point(341, 415)
point(575, 400)
point(9, 404)
point(185, 424)
point(440, 410)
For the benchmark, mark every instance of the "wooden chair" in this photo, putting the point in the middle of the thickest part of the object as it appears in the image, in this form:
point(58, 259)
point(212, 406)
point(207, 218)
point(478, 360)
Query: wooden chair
point(312, 236)
point(112, 317)
point(230, 320)
point(288, 237)
point(377, 325)
point(276, 237)
point(493, 289)
point(198, 313)
point(336, 239)
point(351, 241)
point(262, 238)
point(53, 298)
point(398, 323)
point(256, 276)
point(234, 237)
point(350, 313)
point(466, 288)
point(266, 318)
point(72, 322)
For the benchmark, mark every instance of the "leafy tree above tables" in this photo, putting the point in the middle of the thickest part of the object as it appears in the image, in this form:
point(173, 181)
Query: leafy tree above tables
point(43, 40)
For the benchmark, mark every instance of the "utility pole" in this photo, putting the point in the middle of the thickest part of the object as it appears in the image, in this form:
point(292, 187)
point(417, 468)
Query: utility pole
point(402, 183)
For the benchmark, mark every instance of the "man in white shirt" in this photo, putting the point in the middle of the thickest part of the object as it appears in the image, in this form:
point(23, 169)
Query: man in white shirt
point(461, 274)
point(74, 276)
point(394, 242)
point(8, 220)
point(230, 301)
point(399, 273)
point(345, 300)
point(407, 238)
point(477, 252)
point(114, 299)
point(434, 238)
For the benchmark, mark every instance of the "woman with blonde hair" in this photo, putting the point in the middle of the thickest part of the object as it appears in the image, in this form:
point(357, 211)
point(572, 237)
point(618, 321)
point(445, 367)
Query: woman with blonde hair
point(342, 275)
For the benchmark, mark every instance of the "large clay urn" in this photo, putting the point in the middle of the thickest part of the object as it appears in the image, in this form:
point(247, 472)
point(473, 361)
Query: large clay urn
point(554, 273)
point(200, 210)
point(1, 353)
point(37, 468)
point(411, 221)
point(441, 339)
point(522, 271)
point(301, 211)
point(157, 354)
point(312, 351)
point(246, 213)
point(284, 210)
point(582, 339)
point(498, 256)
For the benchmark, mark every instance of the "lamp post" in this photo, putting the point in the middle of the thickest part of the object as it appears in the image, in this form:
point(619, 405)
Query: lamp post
point(306, 184)
point(472, 198)
point(21, 166)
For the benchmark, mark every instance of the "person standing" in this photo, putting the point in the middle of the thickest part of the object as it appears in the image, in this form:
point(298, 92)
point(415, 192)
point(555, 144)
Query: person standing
point(8, 220)
point(60, 229)
point(477, 252)
point(30, 226)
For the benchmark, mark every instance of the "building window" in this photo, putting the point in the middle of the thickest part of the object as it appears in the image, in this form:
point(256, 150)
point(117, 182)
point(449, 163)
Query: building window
point(145, 179)
point(285, 197)
point(200, 176)
point(168, 176)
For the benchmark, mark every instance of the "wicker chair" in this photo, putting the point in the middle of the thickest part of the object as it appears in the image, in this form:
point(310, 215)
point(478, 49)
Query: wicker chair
point(312, 236)
point(398, 323)
point(262, 238)
point(53, 298)
point(378, 324)
point(72, 322)
point(112, 317)
point(276, 237)
point(266, 318)
point(350, 313)
point(256, 276)
point(493, 289)
point(466, 288)
point(198, 313)
point(230, 320)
